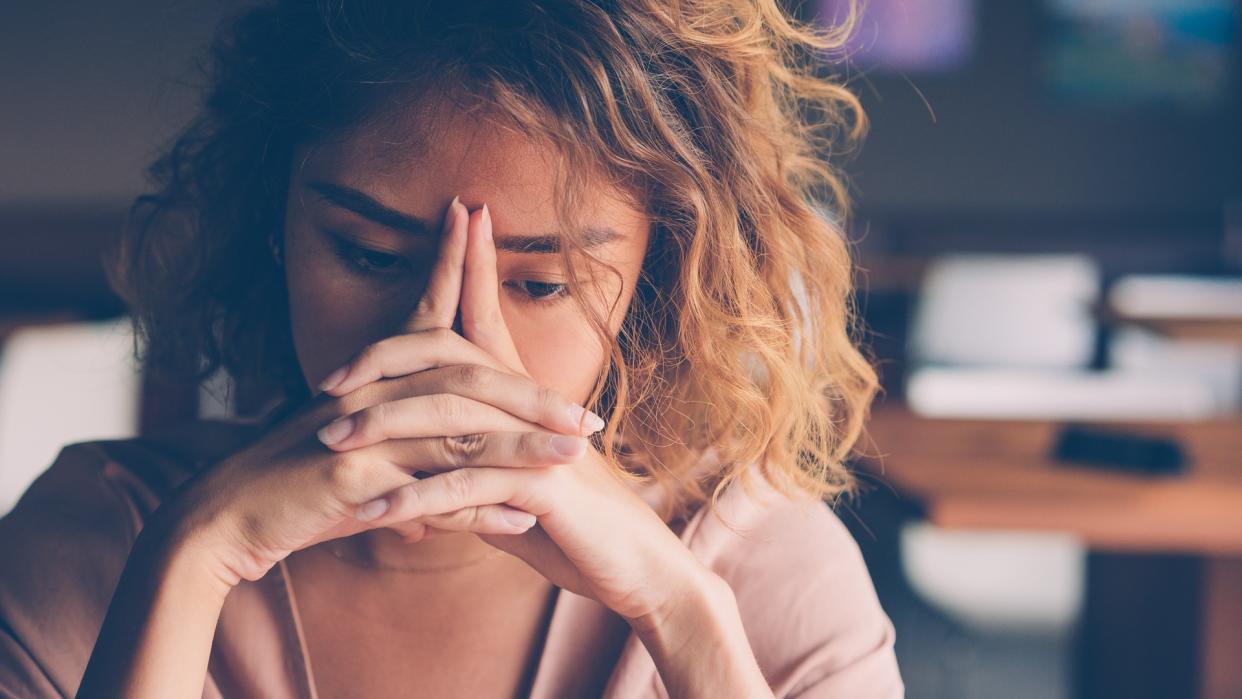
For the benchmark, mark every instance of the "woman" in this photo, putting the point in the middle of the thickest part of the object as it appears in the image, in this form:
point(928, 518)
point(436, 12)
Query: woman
point(447, 240)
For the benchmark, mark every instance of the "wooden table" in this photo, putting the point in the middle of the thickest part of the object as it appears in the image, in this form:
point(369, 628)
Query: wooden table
point(997, 474)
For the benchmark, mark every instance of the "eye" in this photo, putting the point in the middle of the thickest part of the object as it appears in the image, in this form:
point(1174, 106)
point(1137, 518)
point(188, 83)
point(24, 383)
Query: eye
point(365, 260)
point(538, 291)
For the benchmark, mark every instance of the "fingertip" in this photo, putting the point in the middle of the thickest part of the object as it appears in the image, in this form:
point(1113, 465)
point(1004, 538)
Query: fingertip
point(474, 220)
point(593, 422)
point(584, 420)
point(457, 213)
point(518, 520)
point(334, 380)
point(372, 510)
point(486, 219)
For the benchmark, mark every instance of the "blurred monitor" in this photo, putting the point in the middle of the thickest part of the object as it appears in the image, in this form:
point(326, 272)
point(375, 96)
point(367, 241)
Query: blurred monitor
point(1140, 51)
point(907, 36)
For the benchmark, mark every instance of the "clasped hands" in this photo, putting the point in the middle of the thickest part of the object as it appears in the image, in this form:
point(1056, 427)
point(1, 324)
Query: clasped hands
point(505, 454)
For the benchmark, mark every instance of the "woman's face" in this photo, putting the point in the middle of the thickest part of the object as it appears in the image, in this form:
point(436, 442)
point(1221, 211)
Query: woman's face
point(362, 231)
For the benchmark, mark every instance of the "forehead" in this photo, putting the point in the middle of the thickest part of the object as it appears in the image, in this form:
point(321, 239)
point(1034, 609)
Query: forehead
point(419, 159)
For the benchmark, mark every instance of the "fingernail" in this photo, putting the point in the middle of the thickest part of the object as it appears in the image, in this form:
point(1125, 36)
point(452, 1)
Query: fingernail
point(336, 430)
point(452, 213)
point(594, 422)
point(584, 417)
point(581, 416)
point(334, 379)
point(487, 222)
point(370, 510)
point(565, 445)
point(518, 519)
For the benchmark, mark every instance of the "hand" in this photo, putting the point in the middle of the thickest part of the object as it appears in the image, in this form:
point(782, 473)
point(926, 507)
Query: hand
point(595, 536)
point(454, 405)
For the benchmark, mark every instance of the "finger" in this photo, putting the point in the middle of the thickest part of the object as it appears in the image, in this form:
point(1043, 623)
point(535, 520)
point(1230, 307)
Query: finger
point(400, 355)
point(459, 489)
point(411, 531)
point(519, 395)
point(435, 415)
point(537, 545)
point(500, 449)
point(437, 308)
point(483, 519)
point(481, 319)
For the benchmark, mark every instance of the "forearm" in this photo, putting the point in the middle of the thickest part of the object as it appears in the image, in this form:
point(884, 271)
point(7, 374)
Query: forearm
point(700, 648)
point(156, 637)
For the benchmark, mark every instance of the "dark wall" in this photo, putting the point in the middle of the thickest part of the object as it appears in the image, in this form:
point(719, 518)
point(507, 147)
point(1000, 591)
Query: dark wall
point(988, 139)
point(89, 90)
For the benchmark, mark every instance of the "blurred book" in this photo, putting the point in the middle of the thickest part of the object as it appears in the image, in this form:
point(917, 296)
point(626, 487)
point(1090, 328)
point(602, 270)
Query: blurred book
point(1013, 337)
point(1008, 393)
point(1177, 296)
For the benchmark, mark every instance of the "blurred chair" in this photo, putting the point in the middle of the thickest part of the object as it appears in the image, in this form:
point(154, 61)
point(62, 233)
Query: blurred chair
point(1030, 311)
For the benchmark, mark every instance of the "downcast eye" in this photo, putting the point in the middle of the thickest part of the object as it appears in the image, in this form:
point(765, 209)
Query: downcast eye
point(364, 259)
point(540, 290)
point(537, 291)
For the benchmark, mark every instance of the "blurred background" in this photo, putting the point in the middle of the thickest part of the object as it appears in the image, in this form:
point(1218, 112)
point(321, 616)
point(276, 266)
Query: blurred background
point(1049, 234)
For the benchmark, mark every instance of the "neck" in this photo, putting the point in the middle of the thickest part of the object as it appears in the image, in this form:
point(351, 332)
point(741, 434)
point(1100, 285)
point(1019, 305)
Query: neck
point(387, 550)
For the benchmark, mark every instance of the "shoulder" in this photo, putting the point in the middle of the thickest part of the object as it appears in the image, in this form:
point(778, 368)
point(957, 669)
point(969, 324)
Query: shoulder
point(104, 478)
point(65, 542)
point(803, 590)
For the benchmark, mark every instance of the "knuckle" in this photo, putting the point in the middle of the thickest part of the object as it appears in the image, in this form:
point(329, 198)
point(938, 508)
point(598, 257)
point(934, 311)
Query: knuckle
point(408, 500)
point(469, 375)
point(555, 474)
point(465, 518)
point(442, 336)
point(344, 474)
point(547, 398)
point(458, 486)
point(529, 447)
point(461, 450)
point(449, 407)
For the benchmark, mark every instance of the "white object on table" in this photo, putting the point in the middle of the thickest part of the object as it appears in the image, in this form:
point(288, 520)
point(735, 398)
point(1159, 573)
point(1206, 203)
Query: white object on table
point(61, 384)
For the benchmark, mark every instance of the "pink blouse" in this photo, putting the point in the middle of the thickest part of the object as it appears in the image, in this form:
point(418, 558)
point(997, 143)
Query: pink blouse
point(803, 591)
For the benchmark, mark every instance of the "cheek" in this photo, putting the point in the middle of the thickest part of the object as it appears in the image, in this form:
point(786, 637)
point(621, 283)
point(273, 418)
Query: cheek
point(564, 355)
point(331, 314)
point(561, 348)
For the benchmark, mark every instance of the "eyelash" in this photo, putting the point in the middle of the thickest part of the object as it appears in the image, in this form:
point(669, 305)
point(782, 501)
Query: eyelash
point(558, 291)
point(350, 254)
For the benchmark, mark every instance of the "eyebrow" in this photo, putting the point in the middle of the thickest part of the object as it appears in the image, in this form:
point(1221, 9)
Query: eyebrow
point(368, 208)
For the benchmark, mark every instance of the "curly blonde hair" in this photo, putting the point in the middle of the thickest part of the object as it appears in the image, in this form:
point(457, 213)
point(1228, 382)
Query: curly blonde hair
point(711, 115)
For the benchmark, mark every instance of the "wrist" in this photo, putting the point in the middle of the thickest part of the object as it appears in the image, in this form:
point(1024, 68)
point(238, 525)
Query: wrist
point(699, 645)
point(156, 636)
point(697, 594)
point(186, 546)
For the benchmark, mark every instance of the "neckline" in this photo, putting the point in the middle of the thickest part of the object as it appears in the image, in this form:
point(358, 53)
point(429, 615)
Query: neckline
point(304, 670)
